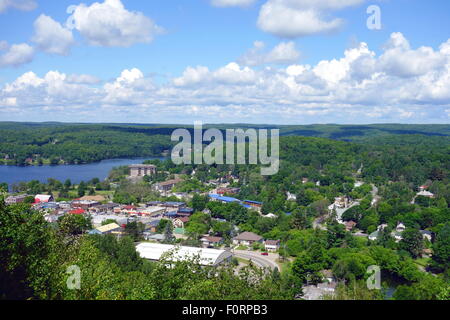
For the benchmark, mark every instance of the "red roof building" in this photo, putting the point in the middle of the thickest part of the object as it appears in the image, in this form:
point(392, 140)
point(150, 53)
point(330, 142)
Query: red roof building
point(77, 211)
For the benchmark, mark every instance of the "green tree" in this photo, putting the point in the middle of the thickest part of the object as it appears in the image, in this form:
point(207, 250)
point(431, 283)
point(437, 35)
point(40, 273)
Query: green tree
point(412, 242)
point(441, 250)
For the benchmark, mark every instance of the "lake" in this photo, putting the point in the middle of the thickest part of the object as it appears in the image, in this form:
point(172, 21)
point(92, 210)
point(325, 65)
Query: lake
point(76, 173)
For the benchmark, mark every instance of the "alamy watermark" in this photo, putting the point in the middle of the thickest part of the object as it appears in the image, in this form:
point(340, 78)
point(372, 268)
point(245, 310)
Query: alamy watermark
point(374, 279)
point(236, 143)
point(74, 280)
point(374, 20)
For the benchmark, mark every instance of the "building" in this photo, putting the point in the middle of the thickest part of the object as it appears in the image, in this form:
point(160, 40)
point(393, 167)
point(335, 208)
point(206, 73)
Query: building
point(153, 211)
point(427, 235)
point(425, 193)
point(167, 186)
point(254, 204)
point(272, 245)
point(152, 226)
point(84, 204)
point(142, 170)
point(78, 211)
point(247, 239)
point(209, 241)
point(109, 228)
point(216, 197)
point(341, 202)
point(291, 196)
point(93, 198)
point(222, 191)
point(206, 257)
point(180, 222)
point(43, 198)
point(149, 236)
point(15, 199)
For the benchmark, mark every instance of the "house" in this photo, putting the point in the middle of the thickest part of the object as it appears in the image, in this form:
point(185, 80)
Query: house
point(271, 216)
point(149, 236)
point(341, 202)
point(209, 241)
point(427, 234)
point(291, 197)
point(423, 188)
point(180, 222)
point(167, 186)
point(42, 198)
point(400, 227)
point(247, 239)
point(15, 199)
point(272, 245)
point(305, 180)
point(425, 193)
point(349, 225)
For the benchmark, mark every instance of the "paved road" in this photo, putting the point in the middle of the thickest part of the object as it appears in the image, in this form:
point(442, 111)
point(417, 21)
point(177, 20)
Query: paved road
point(257, 258)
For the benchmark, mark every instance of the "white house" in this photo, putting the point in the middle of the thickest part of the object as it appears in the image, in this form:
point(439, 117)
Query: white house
point(272, 245)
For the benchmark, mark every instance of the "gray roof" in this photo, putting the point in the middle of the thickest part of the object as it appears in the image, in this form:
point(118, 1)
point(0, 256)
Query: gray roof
point(248, 236)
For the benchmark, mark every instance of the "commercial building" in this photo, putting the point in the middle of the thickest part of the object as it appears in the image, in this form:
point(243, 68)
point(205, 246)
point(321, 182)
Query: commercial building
point(206, 257)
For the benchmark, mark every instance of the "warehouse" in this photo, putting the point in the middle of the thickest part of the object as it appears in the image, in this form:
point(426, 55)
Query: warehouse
point(208, 257)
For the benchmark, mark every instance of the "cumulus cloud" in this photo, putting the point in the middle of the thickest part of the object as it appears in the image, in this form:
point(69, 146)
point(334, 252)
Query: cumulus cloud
point(297, 18)
point(283, 53)
point(110, 24)
point(360, 86)
point(51, 37)
point(24, 5)
point(16, 54)
point(232, 3)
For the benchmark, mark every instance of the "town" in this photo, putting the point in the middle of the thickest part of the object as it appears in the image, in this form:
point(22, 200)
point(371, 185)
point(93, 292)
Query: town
point(187, 224)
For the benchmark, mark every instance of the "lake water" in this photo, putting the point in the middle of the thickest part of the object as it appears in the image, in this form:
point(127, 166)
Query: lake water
point(76, 173)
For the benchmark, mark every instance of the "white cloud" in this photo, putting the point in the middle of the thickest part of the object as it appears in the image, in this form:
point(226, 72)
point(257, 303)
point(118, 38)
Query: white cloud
point(83, 79)
point(357, 87)
point(283, 53)
point(400, 60)
point(297, 18)
point(232, 3)
point(24, 5)
point(16, 55)
point(8, 102)
point(192, 76)
point(109, 24)
point(51, 37)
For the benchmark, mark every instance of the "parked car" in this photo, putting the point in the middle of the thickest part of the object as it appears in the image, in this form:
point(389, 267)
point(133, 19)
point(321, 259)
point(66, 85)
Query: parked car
point(264, 254)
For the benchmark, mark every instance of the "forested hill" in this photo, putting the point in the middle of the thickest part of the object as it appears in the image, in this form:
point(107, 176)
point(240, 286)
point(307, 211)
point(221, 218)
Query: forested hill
point(58, 143)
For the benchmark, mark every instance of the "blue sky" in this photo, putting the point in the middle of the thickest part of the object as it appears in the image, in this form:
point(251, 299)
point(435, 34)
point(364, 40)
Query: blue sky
point(255, 61)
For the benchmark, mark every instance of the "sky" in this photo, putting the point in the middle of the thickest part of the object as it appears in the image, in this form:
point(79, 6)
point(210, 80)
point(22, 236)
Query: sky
point(225, 61)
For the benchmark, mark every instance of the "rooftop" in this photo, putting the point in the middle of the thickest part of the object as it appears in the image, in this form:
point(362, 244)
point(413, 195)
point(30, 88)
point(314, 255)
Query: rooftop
point(249, 236)
point(154, 251)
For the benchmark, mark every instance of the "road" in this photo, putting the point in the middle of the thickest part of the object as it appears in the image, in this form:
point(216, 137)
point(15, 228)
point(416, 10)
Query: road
point(258, 259)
